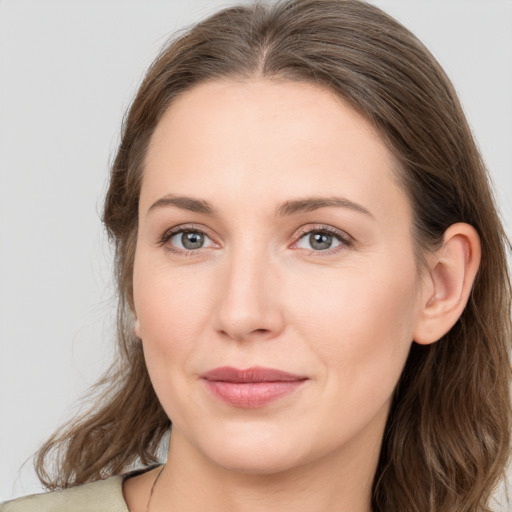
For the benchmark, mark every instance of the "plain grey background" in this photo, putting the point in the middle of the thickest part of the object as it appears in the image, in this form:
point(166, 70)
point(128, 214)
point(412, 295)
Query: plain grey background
point(68, 69)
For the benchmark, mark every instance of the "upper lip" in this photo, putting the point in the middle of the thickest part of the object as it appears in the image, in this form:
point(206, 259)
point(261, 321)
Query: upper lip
point(253, 374)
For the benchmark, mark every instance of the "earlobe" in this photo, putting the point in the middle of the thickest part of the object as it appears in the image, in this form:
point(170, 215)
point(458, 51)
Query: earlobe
point(447, 285)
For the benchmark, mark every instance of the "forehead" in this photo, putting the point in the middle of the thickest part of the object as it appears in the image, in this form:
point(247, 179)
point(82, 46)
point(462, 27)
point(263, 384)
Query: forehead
point(267, 140)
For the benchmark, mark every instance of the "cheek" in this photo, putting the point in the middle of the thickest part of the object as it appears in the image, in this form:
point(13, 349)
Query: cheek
point(360, 327)
point(172, 309)
point(169, 304)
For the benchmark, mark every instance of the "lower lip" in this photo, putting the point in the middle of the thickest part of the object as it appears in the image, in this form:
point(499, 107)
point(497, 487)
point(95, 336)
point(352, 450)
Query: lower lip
point(250, 395)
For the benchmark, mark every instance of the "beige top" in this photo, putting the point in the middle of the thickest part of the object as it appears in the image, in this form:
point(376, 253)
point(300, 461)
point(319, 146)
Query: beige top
point(101, 496)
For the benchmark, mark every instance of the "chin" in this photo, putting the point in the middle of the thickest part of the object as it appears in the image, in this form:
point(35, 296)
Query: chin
point(256, 461)
point(257, 453)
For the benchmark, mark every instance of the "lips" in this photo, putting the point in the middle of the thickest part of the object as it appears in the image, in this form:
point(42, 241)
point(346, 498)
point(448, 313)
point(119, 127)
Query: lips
point(250, 388)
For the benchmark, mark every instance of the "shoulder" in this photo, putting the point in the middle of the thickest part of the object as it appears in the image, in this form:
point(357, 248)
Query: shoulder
point(101, 496)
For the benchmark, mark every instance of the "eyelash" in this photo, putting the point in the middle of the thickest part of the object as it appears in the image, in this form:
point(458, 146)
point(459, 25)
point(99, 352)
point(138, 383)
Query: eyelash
point(344, 239)
point(180, 229)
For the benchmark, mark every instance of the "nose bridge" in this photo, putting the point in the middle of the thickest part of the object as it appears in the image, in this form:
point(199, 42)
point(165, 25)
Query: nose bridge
point(248, 296)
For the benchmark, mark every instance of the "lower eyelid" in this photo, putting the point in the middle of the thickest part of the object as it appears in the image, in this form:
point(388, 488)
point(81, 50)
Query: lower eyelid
point(343, 239)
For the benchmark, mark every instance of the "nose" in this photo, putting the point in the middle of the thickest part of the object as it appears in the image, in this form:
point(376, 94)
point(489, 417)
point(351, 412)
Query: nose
point(249, 297)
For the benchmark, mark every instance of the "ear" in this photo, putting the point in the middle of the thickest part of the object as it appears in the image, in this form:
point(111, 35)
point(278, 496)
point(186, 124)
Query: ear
point(447, 284)
point(136, 328)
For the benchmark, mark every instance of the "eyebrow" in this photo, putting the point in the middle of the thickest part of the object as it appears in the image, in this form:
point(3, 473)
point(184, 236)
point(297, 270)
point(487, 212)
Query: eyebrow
point(185, 203)
point(308, 204)
point(291, 207)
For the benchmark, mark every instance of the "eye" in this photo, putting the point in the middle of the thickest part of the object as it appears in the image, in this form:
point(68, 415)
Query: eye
point(325, 239)
point(185, 240)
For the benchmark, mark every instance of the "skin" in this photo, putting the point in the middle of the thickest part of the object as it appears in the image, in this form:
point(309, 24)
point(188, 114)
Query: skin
point(259, 293)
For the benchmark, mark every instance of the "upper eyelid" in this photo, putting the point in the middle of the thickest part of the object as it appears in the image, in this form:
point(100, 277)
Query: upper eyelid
point(346, 239)
point(186, 227)
point(299, 234)
point(330, 229)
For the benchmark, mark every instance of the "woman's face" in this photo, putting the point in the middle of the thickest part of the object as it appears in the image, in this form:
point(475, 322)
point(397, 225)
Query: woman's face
point(273, 236)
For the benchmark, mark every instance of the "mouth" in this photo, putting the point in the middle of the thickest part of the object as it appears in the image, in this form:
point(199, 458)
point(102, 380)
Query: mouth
point(250, 388)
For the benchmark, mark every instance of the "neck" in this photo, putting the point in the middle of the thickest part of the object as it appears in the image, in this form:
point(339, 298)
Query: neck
point(339, 481)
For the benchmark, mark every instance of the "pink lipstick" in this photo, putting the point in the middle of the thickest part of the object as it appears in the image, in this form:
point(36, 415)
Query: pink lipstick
point(250, 388)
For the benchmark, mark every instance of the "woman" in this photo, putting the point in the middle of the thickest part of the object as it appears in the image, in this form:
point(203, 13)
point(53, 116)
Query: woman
point(312, 281)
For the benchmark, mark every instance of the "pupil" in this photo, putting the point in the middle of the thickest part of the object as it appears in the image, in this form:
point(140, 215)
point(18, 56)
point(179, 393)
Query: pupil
point(192, 240)
point(320, 240)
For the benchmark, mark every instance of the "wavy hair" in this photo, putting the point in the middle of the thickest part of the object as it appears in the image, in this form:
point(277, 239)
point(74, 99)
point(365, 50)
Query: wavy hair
point(447, 439)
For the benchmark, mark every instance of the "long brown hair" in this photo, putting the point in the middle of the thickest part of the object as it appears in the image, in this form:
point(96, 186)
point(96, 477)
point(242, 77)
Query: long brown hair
point(446, 442)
